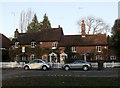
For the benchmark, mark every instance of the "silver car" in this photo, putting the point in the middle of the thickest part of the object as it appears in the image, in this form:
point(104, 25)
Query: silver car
point(78, 64)
point(37, 64)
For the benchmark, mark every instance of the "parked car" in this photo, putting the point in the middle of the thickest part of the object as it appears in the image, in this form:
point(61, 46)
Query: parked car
point(37, 64)
point(78, 64)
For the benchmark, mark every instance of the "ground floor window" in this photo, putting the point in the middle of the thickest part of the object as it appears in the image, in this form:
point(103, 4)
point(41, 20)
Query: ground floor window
point(24, 58)
point(16, 58)
point(112, 57)
point(98, 57)
point(32, 56)
point(73, 49)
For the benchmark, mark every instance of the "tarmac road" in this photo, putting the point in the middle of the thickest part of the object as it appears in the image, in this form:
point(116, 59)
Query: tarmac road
point(19, 72)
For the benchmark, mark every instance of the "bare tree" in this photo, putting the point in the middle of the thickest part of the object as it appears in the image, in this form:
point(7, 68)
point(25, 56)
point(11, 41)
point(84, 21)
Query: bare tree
point(29, 15)
point(95, 25)
point(89, 22)
point(25, 19)
point(22, 21)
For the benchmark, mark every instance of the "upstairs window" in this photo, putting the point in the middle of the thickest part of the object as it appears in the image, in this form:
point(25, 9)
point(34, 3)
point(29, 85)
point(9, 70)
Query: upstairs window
point(73, 49)
point(33, 44)
point(16, 44)
point(98, 48)
point(54, 45)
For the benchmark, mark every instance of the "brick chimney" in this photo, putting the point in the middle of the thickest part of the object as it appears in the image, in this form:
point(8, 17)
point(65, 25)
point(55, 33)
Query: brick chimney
point(83, 29)
point(59, 26)
point(16, 33)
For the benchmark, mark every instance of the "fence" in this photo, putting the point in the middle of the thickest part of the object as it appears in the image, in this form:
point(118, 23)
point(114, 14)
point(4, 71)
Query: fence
point(57, 65)
point(112, 64)
point(11, 64)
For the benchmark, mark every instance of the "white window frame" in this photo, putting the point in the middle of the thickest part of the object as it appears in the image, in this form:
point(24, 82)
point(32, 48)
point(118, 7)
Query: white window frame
point(32, 56)
point(33, 44)
point(73, 49)
point(54, 45)
point(16, 44)
point(112, 57)
point(99, 48)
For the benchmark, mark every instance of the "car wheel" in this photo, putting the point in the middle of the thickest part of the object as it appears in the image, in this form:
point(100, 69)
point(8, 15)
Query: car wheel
point(44, 68)
point(85, 68)
point(67, 68)
point(26, 68)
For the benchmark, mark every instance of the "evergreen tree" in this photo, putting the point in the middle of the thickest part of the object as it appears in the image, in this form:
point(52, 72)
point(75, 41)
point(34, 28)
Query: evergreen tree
point(45, 23)
point(34, 25)
point(71, 55)
point(116, 37)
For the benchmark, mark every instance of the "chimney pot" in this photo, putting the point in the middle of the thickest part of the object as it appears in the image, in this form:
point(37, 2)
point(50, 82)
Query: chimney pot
point(58, 26)
point(16, 33)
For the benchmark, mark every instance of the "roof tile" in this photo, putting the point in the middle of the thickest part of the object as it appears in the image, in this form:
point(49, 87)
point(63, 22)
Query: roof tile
point(78, 40)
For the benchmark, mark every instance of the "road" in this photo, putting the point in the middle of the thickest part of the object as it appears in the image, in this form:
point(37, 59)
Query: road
point(19, 72)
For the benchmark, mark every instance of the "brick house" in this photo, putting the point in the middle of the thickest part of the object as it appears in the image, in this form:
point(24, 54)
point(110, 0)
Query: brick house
point(4, 47)
point(90, 47)
point(27, 46)
point(95, 45)
point(50, 45)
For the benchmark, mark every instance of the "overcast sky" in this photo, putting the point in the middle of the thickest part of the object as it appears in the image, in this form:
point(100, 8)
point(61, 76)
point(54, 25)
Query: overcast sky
point(66, 14)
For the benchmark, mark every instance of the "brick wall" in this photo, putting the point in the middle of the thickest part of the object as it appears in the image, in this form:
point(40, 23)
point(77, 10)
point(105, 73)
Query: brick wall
point(85, 49)
point(46, 44)
point(61, 49)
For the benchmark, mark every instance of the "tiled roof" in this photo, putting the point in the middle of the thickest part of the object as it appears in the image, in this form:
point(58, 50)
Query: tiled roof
point(4, 41)
point(48, 35)
point(78, 40)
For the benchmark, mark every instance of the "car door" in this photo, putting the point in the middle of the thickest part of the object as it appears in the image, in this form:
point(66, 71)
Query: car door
point(81, 63)
point(35, 64)
point(40, 64)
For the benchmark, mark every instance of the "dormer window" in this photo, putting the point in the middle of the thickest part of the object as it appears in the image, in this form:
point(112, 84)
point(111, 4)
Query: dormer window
point(33, 44)
point(98, 48)
point(16, 44)
point(73, 49)
point(54, 45)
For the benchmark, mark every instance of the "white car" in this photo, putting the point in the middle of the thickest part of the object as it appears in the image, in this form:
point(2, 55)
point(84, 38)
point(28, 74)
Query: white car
point(37, 64)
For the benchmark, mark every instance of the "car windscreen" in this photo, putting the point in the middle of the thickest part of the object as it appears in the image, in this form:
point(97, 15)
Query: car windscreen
point(34, 61)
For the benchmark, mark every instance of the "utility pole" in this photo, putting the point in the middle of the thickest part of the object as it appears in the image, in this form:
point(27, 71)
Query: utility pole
point(81, 8)
point(119, 10)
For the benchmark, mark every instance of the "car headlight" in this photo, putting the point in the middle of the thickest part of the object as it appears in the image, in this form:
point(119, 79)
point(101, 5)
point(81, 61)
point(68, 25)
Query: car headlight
point(48, 65)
